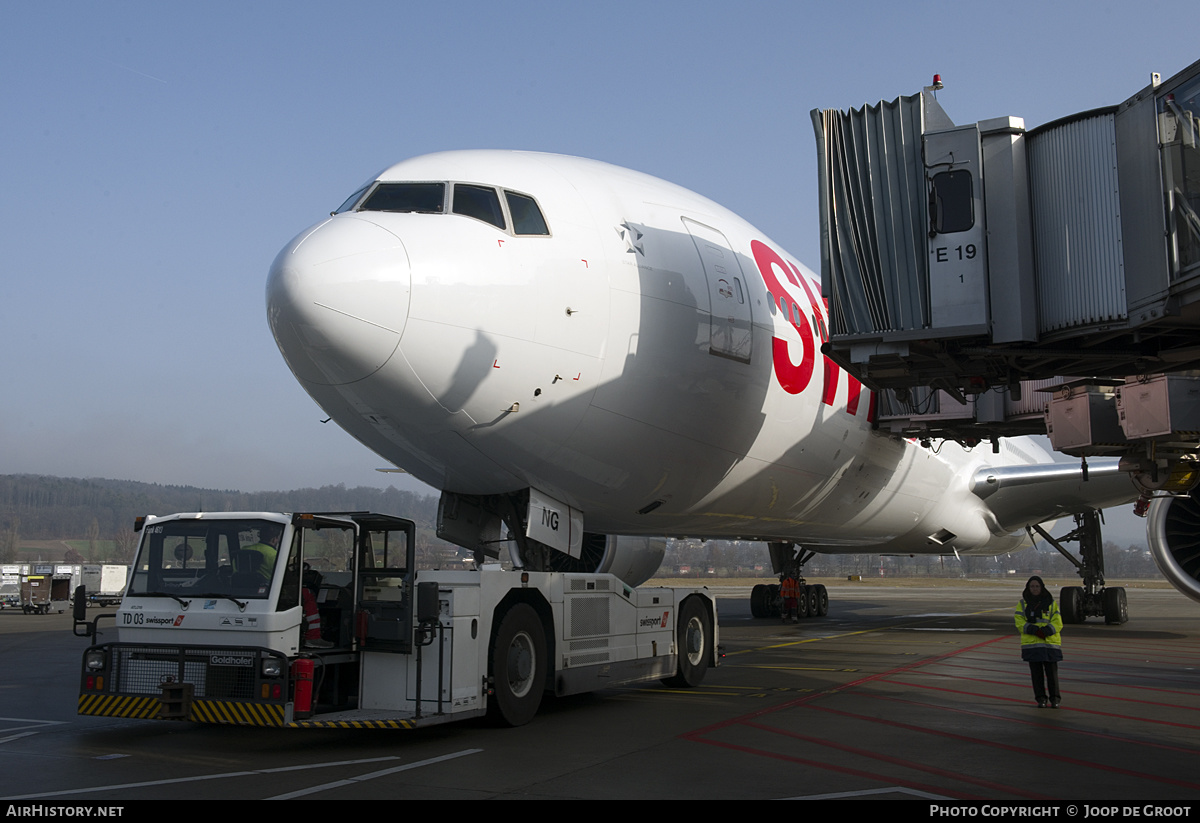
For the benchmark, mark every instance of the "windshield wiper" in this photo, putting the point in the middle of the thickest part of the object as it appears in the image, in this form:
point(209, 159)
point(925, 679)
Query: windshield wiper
point(184, 603)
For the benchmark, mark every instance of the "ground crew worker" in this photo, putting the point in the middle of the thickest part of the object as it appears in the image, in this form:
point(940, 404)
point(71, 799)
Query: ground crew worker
point(789, 590)
point(311, 637)
point(267, 547)
point(1040, 626)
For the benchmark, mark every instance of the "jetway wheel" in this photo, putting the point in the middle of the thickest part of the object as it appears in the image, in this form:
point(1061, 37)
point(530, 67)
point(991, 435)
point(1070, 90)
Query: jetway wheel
point(518, 663)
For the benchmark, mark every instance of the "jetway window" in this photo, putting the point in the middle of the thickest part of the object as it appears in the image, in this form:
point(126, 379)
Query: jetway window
point(425, 198)
point(526, 216)
point(480, 202)
point(952, 202)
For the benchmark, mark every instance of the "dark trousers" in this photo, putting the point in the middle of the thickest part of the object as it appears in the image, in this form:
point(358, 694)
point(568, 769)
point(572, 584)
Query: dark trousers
point(1045, 680)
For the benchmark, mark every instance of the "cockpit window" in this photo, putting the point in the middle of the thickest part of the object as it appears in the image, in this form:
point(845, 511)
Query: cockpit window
point(480, 202)
point(426, 198)
point(469, 199)
point(352, 199)
point(526, 216)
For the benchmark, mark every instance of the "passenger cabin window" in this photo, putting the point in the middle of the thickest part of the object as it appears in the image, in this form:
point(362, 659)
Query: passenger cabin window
point(526, 216)
point(425, 198)
point(480, 202)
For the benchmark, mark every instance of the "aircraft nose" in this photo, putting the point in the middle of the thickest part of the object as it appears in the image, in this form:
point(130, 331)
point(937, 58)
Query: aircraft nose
point(337, 300)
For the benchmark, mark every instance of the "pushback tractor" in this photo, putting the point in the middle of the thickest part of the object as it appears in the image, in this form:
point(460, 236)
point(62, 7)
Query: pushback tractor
point(299, 620)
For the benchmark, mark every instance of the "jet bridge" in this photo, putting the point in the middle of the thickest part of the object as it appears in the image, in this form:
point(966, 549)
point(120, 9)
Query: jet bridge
point(969, 268)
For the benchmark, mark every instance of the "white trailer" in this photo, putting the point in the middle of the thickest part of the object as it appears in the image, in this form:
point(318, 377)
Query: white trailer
point(212, 628)
point(104, 583)
point(10, 587)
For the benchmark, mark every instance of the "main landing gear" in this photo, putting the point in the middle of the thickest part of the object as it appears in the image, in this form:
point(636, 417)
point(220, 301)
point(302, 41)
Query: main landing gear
point(1092, 599)
point(788, 559)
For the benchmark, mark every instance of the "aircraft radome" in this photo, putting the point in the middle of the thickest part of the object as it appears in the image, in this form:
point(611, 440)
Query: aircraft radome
point(579, 356)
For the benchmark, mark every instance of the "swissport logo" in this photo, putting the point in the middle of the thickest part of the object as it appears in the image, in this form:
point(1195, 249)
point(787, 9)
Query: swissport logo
point(654, 622)
point(155, 620)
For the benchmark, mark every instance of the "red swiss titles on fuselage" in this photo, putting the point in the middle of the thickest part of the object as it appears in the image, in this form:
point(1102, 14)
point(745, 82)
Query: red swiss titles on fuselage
point(795, 377)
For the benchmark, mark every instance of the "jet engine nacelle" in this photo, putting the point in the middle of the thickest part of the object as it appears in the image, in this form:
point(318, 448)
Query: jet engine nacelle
point(478, 523)
point(634, 560)
point(1173, 532)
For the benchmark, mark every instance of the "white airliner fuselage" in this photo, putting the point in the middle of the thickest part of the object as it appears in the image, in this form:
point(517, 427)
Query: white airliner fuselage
point(493, 321)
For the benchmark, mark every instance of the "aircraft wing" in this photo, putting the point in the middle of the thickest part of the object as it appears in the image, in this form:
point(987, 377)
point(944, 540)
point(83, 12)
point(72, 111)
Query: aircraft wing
point(1021, 496)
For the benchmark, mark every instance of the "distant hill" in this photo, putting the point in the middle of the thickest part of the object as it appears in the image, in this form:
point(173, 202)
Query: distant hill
point(100, 512)
point(50, 516)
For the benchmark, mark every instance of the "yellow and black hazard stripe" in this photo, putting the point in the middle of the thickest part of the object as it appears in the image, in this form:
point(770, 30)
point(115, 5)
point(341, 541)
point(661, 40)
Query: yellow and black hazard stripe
point(352, 724)
point(112, 705)
point(244, 714)
point(200, 711)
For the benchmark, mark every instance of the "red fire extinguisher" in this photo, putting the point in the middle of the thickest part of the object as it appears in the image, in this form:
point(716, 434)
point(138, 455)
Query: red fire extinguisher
point(302, 678)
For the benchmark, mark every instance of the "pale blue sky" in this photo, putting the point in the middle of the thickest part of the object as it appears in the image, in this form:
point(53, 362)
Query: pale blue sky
point(156, 156)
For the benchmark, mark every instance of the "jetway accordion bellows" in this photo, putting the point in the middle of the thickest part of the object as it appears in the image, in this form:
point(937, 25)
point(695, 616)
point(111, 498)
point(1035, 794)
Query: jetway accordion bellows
point(874, 214)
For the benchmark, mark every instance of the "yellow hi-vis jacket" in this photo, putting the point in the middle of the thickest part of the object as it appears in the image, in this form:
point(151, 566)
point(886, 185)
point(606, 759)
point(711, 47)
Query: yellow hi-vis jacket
point(1050, 622)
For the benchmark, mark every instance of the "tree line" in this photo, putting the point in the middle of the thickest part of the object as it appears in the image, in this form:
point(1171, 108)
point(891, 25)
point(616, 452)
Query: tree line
point(729, 558)
point(39, 507)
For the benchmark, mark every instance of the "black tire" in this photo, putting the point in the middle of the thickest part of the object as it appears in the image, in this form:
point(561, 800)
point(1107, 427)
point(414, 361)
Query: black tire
point(1116, 609)
point(1070, 600)
point(518, 667)
point(693, 639)
point(774, 601)
point(758, 601)
point(803, 602)
point(822, 601)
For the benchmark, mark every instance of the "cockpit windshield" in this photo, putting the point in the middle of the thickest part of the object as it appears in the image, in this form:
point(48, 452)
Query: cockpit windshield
point(527, 217)
point(353, 199)
point(425, 198)
point(524, 216)
point(480, 202)
point(208, 558)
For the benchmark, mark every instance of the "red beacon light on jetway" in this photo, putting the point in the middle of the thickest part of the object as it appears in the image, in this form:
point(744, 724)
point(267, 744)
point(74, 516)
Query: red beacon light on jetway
point(936, 85)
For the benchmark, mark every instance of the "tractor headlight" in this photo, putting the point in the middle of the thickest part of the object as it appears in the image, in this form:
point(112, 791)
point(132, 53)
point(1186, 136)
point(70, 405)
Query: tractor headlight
point(93, 660)
point(272, 667)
